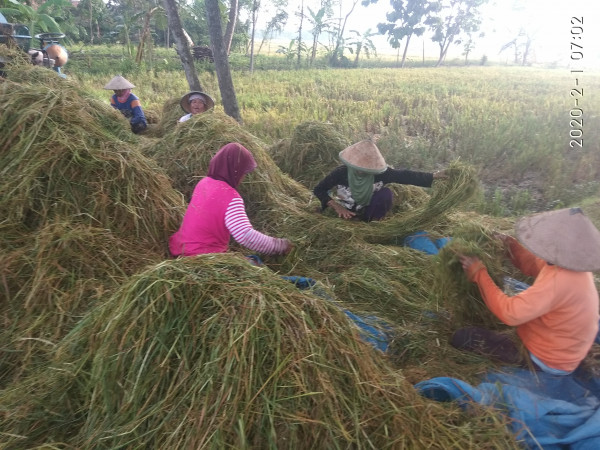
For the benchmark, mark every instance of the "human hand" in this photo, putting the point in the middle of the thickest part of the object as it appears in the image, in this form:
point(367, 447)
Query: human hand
point(440, 175)
point(500, 236)
point(287, 246)
point(471, 265)
point(341, 211)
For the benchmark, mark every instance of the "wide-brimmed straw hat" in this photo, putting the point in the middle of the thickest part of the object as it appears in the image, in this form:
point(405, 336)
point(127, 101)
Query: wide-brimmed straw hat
point(565, 237)
point(185, 100)
point(365, 156)
point(118, 83)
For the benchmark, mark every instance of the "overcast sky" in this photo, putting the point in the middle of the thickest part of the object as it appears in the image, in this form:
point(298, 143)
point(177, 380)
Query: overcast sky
point(547, 21)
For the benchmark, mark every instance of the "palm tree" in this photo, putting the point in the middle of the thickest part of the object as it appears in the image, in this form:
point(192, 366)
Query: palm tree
point(319, 23)
point(362, 42)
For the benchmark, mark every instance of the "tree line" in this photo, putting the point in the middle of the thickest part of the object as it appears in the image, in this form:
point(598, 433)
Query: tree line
point(322, 28)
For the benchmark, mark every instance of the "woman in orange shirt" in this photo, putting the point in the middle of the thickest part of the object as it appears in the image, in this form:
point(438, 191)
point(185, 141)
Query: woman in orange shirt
point(557, 317)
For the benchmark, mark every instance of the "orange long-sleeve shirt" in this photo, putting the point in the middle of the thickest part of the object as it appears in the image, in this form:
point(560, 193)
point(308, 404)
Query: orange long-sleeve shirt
point(556, 318)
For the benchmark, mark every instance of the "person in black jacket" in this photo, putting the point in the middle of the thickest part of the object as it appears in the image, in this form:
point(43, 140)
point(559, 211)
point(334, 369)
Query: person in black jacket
point(357, 188)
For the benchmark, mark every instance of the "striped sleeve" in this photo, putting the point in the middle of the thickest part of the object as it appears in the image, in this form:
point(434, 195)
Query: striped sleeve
point(241, 230)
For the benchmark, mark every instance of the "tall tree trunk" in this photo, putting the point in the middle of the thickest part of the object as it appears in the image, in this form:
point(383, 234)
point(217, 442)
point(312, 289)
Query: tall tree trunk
point(230, 105)
point(91, 25)
point(358, 49)
point(443, 50)
point(313, 54)
point(300, 33)
point(233, 13)
point(340, 38)
point(182, 46)
point(526, 51)
point(254, 13)
point(145, 35)
point(405, 50)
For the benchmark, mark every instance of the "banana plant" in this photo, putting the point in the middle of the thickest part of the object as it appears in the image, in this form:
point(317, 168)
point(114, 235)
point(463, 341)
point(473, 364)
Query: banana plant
point(38, 20)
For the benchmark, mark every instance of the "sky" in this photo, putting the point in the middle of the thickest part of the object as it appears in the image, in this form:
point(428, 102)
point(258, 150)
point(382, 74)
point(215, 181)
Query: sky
point(548, 22)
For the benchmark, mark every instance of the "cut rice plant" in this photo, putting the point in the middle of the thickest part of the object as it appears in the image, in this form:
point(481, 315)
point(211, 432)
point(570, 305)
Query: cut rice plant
point(65, 156)
point(212, 352)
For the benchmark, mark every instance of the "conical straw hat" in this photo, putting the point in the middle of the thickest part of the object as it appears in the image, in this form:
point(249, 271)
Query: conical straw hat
point(566, 238)
point(118, 82)
point(365, 156)
point(185, 100)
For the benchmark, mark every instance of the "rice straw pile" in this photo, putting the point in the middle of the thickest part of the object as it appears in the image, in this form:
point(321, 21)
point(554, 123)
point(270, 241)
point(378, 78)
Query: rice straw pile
point(81, 210)
point(51, 277)
point(212, 352)
point(185, 151)
point(66, 156)
point(312, 153)
point(107, 343)
point(170, 114)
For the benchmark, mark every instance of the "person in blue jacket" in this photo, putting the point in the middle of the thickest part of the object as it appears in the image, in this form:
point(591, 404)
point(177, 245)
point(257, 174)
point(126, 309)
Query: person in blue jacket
point(128, 103)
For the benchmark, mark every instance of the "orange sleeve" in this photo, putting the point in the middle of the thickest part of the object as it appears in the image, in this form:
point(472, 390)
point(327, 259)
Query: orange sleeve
point(513, 311)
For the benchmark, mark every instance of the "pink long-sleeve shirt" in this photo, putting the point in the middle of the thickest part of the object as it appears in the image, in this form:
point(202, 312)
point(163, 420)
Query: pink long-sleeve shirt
point(215, 213)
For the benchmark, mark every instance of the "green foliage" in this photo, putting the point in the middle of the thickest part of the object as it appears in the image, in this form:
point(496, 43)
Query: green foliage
point(38, 20)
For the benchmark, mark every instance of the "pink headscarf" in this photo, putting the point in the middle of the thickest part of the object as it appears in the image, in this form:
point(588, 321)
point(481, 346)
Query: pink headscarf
point(124, 94)
point(231, 163)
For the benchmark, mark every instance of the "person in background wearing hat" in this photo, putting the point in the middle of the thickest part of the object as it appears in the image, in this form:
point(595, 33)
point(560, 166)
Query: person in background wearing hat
point(356, 188)
point(195, 102)
point(557, 316)
point(217, 211)
point(127, 103)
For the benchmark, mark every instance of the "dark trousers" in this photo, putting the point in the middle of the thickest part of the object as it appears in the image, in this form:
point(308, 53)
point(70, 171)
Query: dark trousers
point(380, 205)
point(489, 343)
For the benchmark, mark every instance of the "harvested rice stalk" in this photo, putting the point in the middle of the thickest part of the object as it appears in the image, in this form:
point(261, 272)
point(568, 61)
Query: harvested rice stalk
point(211, 352)
point(312, 153)
point(65, 156)
point(454, 291)
point(50, 279)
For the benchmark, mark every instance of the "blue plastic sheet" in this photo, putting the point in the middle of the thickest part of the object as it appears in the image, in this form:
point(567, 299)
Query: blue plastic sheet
point(372, 329)
point(548, 411)
point(421, 240)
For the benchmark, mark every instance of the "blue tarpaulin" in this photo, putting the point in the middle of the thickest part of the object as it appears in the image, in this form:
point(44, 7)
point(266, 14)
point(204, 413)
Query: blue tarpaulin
point(547, 411)
point(421, 240)
point(372, 329)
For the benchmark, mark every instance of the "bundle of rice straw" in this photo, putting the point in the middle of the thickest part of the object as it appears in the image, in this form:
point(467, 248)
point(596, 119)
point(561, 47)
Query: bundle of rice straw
point(450, 285)
point(185, 151)
point(212, 352)
point(312, 153)
point(51, 278)
point(65, 156)
point(81, 209)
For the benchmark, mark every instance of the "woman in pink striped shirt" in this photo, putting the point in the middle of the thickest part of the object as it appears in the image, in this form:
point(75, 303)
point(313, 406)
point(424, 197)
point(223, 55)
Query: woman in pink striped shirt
point(217, 211)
